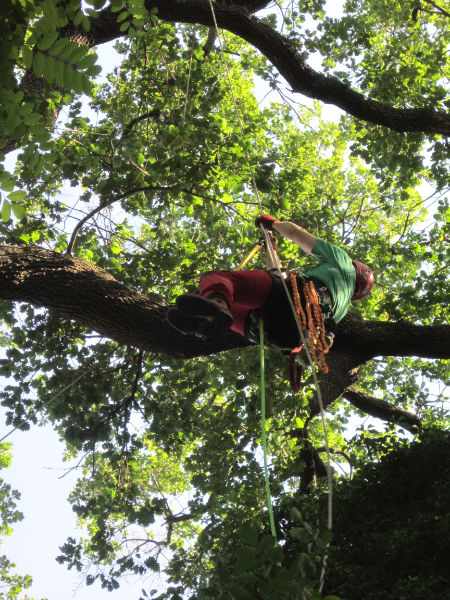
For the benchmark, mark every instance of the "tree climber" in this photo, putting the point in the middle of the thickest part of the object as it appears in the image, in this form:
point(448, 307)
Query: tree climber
point(237, 299)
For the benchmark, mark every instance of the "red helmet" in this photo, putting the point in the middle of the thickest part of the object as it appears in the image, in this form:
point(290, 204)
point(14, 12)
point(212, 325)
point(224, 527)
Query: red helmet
point(364, 280)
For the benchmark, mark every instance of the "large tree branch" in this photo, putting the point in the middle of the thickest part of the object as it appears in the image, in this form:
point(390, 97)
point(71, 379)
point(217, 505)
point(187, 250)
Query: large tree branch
point(284, 55)
point(382, 409)
point(89, 295)
point(237, 18)
point(401, 338)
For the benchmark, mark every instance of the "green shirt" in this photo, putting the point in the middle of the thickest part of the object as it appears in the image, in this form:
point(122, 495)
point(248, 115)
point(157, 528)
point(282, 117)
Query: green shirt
point(337, 272)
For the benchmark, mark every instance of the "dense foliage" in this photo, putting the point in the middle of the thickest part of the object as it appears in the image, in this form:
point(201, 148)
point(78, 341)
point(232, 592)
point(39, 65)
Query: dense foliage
point(392, 525)
point(147, 174)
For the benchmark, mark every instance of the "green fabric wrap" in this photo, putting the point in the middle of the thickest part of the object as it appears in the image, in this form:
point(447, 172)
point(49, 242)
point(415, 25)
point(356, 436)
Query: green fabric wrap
point(336, 271)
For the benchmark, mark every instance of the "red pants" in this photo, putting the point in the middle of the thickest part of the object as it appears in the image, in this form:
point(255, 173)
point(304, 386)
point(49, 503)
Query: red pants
point(244, 290)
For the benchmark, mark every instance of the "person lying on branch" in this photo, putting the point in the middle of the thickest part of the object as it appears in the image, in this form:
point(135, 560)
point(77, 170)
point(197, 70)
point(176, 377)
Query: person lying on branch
point(238, 299)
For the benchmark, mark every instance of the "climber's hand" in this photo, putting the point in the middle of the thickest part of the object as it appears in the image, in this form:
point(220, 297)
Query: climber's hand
point(266, 221)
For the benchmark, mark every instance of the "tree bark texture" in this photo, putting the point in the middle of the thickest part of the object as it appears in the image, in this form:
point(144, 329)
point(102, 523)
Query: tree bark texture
point(87, 294)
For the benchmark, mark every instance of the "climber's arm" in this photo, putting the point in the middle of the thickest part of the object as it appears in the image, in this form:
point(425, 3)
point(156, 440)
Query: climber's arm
point(296, 234)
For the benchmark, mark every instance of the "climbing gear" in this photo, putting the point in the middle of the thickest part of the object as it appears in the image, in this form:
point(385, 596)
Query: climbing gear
point(249, 256)
point(273, 241)
point(280, 326)
point(199, 306)
point(266, 221)
point(312, 321)
point(295, 369)
point(364, 280)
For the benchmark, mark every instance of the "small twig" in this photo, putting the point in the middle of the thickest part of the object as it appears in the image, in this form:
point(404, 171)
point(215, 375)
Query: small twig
point(145, 188)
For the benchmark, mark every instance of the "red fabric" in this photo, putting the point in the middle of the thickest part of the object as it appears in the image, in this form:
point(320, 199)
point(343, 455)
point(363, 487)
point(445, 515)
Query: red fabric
point(266, 221)
point(244, 290)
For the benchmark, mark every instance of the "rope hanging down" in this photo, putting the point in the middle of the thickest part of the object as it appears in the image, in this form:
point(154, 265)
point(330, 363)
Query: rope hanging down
point(270, 250)
point(263, 430)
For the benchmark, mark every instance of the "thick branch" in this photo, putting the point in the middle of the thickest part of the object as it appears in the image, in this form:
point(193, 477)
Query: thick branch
point(401, 338)
point(285, 57)
point(382, 409)
point(89, 295)
point(236, 17)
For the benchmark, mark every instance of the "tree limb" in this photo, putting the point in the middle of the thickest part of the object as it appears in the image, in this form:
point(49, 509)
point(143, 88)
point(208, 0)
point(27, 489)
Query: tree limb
point(285, 57)
point(387, 338)
point(103, 205)
point(89, 295)
point(438, 8)
point(382, 409)
point(237, 18)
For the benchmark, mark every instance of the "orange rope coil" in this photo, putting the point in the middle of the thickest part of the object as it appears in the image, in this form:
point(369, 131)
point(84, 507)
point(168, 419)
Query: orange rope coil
point(312, 321)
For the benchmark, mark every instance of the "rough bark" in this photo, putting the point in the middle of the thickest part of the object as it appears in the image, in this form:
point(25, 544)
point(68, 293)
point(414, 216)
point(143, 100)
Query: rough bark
point(381, 409)
point(89, 295)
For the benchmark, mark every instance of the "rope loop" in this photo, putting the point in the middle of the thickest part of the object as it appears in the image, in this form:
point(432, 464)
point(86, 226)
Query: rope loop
point(312, 321)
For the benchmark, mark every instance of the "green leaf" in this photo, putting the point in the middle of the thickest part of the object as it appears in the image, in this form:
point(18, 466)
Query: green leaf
point(38, 64)
point(60, 47)
point(117, 5)
point(77, 81)
point(123, 15)
point(19, 211)
point(6, 210)
point(86, 24)
point(87, 61)
point(59, 73)
point(47, 41)
point(27, 57)
point(17, 196)
point(49, 69)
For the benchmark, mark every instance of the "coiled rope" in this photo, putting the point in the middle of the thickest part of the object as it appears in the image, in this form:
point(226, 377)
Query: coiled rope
point(312, 321)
